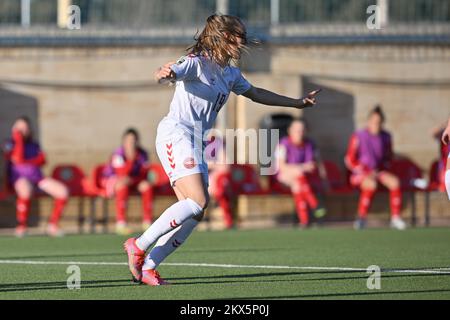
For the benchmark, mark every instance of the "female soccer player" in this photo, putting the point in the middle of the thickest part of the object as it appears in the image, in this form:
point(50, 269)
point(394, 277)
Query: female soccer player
point(443, 154)
point(204, 80)
point(125, 171)
point(296, 155)
point(24, 161)
point(445, 139)
point(368, 158)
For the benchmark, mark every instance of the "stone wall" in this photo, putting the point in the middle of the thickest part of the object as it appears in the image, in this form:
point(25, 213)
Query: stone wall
point(82, 98)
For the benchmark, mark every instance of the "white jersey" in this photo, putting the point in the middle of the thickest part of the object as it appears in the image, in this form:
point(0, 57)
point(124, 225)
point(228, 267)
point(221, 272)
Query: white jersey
point(202, 88)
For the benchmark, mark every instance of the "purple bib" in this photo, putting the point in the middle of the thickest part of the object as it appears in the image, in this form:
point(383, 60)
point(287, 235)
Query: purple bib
point(31, 172)
point(373, 150)
point(141, 160)
point(296, 154)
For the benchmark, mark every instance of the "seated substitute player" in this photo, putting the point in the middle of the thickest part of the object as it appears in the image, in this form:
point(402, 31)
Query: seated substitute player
point(368, 157)
point(297, 161)
point(443, 153)
point(127, 170)
point(204, 80)
point(24, 161)
point(445, 138)
point(220, 178)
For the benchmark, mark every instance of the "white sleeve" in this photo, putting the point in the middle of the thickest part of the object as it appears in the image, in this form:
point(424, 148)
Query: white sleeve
point(186, 68)
point(447, 183)
point(241, 85)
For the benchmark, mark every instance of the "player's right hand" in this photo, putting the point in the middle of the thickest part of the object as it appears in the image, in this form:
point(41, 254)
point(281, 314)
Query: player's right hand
point(310, 99)
point(16, 134)
point(446, 134)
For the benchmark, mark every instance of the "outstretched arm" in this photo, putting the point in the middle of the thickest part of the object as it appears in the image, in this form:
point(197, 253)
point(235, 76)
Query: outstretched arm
point(270, 98)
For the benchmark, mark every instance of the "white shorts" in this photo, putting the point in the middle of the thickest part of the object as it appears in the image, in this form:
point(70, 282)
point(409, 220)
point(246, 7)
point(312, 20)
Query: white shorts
point(177, 153)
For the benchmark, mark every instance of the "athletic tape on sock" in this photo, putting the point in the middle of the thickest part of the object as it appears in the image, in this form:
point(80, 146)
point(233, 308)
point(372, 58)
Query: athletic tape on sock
point(196, 208)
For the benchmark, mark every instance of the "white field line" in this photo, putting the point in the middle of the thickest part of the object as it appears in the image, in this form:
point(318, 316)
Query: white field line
point(215, 265)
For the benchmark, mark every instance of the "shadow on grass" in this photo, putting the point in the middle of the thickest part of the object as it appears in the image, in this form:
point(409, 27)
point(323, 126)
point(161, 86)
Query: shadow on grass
point(96, 254)
point(229, 279)
point(121, 253)
point(344, 294)
point(296, 273)
point(55, 285)
point(220, 251)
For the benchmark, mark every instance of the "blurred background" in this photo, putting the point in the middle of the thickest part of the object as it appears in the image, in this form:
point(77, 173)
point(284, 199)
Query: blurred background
point(82, 88)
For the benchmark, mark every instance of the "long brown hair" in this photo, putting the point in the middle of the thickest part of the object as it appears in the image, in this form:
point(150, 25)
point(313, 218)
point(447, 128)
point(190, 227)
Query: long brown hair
point(218, 39)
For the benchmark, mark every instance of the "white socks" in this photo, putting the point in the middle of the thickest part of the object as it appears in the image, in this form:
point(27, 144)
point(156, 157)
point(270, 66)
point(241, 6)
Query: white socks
point(170, 219)
point(447, 181)
point(168, 243)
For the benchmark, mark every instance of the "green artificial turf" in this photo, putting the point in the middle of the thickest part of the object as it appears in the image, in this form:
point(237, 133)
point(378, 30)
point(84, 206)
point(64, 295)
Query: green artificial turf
point(322, 248)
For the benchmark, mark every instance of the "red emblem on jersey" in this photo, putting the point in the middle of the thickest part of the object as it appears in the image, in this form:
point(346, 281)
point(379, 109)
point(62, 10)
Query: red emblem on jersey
point(189, 163)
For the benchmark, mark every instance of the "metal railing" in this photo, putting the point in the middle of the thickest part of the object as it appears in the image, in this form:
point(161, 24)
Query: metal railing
point(174, 22)
point(150, 13)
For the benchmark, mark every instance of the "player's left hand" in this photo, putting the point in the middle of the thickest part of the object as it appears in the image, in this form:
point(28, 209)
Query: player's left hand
point(310, 99)
point(164, 72)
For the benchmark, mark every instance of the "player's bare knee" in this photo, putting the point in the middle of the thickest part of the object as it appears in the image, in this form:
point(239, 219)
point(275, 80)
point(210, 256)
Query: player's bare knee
point(121, 183)
point(23, 188)
point(395, 183)
point(63, 192)
point(203, 201)
point(24, 194)
point(296, 187)
point(144, 186)
point(369, 185)
point(60, 192)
